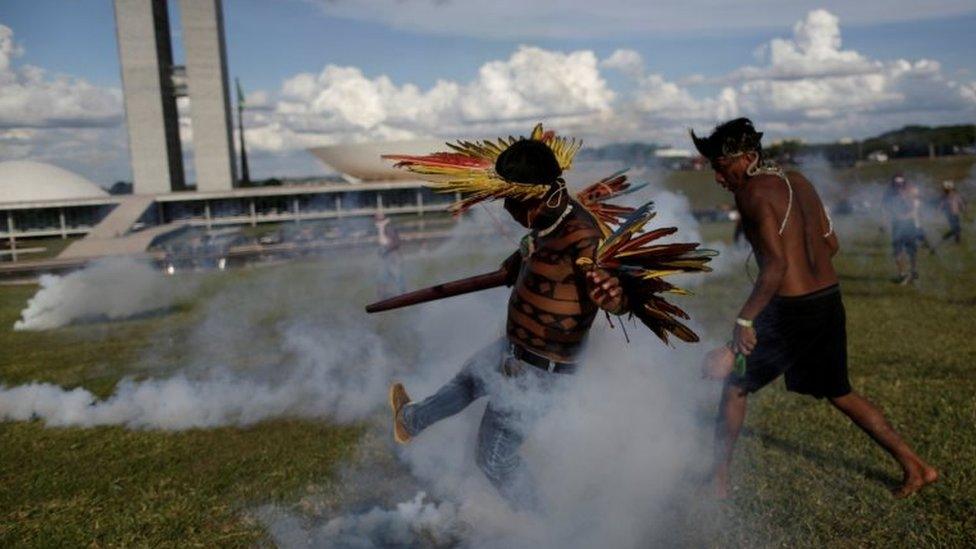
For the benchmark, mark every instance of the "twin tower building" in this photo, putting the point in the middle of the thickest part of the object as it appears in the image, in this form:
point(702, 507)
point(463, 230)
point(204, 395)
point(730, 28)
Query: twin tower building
point(151, 83)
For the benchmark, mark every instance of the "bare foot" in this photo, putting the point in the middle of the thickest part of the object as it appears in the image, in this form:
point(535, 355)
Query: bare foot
point(916, 477)
point(721, 487)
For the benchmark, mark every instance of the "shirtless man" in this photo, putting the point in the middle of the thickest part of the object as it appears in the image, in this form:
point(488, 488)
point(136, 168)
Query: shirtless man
point(793, 322)
point(552, 305)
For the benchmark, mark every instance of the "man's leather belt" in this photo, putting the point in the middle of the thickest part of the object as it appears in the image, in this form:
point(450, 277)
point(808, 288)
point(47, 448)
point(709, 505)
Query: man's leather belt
point(541, 362)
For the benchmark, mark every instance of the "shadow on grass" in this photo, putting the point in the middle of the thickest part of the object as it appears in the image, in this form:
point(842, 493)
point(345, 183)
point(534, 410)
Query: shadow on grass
point(822, 458)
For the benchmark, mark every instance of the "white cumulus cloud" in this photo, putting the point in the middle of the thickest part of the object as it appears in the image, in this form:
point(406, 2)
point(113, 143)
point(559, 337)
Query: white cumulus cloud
point(344, 103)
point(59, 118)
point(810, 86)
point(804, 84)
point(626, 61)
point(31, 97)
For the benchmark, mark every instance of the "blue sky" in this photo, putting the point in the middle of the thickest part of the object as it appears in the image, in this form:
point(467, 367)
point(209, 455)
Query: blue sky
point(269, 41)
point(682, 59)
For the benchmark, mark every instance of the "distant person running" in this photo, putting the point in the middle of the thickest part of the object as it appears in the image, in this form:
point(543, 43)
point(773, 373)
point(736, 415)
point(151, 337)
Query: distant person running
point(954, 207)
point(793, 322)
point(391, 262)
point(901, 206)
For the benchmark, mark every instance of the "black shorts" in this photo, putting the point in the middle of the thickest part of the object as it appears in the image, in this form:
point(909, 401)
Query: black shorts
point(804, 338)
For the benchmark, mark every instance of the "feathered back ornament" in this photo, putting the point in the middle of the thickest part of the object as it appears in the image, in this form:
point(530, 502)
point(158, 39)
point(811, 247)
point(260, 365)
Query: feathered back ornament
point(627, 251)
point(469, 168)
point(631, 254)
point(595, 196)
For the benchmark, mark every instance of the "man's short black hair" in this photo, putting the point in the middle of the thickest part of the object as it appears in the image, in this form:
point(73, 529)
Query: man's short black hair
point(528, 161)
point(729, 139)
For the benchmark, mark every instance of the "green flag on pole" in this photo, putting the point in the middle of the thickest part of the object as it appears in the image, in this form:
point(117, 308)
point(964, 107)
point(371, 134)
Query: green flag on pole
point(245, 173)
point(240, 93)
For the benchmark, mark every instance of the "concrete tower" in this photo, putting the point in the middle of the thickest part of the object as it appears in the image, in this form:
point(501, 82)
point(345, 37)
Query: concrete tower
point(151, 84)
point(206, 75)
point(142, 29)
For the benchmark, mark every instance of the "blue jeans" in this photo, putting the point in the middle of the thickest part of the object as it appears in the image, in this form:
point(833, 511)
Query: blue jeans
point(516, 400)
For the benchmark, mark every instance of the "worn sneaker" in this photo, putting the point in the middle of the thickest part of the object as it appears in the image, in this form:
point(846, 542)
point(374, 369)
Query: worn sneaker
point(398, 399)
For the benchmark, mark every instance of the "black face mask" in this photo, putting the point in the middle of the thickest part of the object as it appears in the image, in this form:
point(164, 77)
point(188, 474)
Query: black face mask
point(518, 211)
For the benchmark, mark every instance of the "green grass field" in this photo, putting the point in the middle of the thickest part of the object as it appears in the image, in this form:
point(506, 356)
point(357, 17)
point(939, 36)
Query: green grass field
point(804, 477)
point(807, 477)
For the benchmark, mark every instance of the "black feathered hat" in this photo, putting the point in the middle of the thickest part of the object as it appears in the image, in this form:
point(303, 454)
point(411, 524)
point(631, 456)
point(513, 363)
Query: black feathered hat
point(528, 161)
point(732, 138)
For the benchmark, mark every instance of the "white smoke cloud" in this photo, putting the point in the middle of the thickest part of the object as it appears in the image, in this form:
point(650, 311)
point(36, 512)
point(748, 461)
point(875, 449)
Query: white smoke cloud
point(112, 288)
point(321, 359)
point(339, 375)
point(611, 453)
point(404, 526)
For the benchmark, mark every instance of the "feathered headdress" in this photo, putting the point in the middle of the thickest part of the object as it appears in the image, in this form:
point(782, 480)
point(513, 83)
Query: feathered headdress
point(469, 168)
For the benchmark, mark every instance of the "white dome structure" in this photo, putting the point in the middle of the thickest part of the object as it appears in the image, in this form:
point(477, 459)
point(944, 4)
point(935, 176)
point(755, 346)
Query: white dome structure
point(28, 181)
point(362, 160)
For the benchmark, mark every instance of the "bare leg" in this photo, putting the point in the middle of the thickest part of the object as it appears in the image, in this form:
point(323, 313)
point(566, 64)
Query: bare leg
point(901, 261)
point(731, 414)
point(867, 416)
point(913, 259)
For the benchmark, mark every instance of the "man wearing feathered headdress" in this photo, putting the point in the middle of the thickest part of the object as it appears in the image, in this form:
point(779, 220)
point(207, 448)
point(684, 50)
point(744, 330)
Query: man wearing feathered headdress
point(562, 276)
point(793, 322)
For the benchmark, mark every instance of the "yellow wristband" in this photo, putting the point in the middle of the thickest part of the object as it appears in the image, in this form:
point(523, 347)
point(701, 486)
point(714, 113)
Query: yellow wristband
point(743, 322)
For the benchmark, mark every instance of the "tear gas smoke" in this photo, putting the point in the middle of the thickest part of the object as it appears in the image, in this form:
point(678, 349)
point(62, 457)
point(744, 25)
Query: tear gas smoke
point(339, 374)
point(614, 453)
point(611, 453)
point(405, 526)
point(112, 288)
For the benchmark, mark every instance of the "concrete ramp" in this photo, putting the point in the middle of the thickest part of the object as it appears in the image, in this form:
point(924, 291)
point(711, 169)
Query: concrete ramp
point(131, 244)
point(118, 222)
point(113, 235)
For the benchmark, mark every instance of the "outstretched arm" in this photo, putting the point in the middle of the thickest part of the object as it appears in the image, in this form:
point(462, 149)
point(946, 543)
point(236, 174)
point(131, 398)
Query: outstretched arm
point(772, 269)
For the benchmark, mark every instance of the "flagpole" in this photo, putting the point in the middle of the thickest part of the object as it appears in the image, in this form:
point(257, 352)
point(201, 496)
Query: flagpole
point(245, 173)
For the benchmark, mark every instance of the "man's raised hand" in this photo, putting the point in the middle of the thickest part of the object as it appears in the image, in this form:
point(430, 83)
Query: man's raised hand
point(605, 291)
